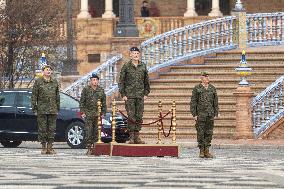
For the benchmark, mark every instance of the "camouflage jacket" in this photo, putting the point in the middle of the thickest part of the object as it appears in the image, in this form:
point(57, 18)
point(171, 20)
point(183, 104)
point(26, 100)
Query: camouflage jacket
point(45, 96)
point(204, 101)
point(134, 81)
point(89, 99)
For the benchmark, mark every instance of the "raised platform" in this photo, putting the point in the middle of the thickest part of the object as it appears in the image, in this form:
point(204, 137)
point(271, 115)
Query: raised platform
point(136, 150)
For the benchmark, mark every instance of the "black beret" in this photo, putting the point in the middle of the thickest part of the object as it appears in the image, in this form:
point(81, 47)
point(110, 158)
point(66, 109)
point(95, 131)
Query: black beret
point(134, 49)
point(94, 76)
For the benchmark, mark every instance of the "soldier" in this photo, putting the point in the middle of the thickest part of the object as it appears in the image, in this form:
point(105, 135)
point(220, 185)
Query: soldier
point(90, 96)
point(204, 107)
point(134, 87)
point(45, 103)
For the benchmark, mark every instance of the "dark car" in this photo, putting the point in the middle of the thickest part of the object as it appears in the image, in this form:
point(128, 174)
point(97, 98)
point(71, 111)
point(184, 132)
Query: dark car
point(18, 122)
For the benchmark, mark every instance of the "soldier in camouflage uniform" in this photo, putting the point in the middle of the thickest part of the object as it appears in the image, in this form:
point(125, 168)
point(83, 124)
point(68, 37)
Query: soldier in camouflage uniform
point(91, 94)
point(204, 107)
point(45, 103)
point(134, 87)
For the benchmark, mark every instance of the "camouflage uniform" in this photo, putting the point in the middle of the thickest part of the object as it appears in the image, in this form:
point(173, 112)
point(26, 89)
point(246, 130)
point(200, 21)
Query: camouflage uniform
point(134, 84)
point(204, 105)
point(45, 102)
point(88, 105)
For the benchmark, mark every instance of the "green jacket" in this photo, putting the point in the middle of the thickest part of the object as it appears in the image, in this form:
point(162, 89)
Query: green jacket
point(89, 99)
point(45, 96)
point(134, 81)
point(204, 102)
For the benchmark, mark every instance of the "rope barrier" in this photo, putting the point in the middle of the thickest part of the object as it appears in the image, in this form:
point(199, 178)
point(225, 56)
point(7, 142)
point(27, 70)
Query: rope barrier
point(161, 117)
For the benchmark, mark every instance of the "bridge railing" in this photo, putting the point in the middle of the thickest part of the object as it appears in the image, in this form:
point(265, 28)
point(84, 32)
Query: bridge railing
point(188, 42)
point(108, 78)
point(265, 29)
point(267, 106)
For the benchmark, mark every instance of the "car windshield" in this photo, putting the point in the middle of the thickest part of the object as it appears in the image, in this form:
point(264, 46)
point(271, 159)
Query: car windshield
point(68, 102)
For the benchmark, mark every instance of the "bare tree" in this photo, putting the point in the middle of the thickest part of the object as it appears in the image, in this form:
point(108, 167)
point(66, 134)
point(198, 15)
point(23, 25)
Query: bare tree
point(28, 28)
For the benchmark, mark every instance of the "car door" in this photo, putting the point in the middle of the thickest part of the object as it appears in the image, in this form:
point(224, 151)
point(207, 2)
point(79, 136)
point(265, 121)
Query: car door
point(7, 111)
point(26, 119)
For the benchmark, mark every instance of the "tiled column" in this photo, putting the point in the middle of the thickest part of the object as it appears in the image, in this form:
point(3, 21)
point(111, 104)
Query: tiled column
point(215, 9)
point(84, 13)
point(243, 113)
point(108, 10)
point(190, 9)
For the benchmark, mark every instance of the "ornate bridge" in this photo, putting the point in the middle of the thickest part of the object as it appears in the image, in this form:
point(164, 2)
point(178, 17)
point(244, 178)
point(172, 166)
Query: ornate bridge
point(201, 39)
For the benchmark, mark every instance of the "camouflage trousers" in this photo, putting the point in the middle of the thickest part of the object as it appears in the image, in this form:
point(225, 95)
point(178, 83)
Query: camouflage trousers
point(91, 130)
point(46, 127)
point(135, 109)
point(204, 127)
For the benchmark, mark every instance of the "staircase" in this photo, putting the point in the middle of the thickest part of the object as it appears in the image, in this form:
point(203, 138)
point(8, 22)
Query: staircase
point(177, 84)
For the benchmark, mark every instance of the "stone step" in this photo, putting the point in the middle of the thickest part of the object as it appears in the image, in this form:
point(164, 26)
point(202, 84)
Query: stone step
point(186, 122)
point(184, 97)
point(186, 112)
point(188, 128)
point(221, 75)
point(216, 82)
point(250, 60)
point(158, 89)
point(216, 135)
point(226, 68)
point(250, 54)
point(180, 105)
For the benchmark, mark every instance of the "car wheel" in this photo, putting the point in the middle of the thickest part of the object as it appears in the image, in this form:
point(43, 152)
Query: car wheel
point(11, 144)
point(75, 135)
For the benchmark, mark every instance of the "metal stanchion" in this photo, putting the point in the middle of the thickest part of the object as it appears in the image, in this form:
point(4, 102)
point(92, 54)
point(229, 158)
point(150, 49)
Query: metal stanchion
point(159, 124)
point(174, 122)
point(113, 122)
point(99, 104)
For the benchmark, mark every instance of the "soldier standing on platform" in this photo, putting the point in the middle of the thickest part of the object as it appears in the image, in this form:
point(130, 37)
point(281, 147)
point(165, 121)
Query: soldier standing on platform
point(90, 96)
point(204, 107)
point(134, 87)
point(45, 103)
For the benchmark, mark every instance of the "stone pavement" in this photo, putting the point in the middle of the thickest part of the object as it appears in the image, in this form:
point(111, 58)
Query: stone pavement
point(238, 164)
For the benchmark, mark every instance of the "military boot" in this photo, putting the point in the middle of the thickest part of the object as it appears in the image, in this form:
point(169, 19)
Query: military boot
point(43, 148)
point(137, 139)
point(201, 153)
point(50, 150)
point(131, 138)
point(89, 151)
point(207, 153)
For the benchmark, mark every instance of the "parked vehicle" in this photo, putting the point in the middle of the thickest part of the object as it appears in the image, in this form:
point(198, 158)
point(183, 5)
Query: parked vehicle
point(18, 122)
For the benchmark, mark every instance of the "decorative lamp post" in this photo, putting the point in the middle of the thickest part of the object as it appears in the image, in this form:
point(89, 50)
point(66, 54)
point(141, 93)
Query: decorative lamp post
point(239, 6)
point(243, 70)
point(42, 62)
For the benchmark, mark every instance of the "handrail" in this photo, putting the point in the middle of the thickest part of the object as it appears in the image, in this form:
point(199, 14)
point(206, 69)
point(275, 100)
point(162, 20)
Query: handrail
point(267, 106)
point(265, 29)
point(189, 41)
point(108, 78)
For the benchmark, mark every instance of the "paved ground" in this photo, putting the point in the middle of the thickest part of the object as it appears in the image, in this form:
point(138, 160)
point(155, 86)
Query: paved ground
point(238, 164)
